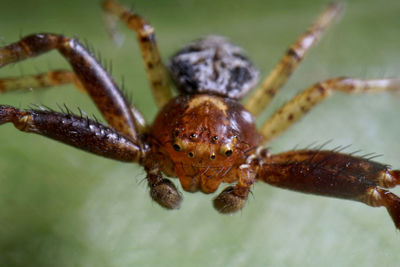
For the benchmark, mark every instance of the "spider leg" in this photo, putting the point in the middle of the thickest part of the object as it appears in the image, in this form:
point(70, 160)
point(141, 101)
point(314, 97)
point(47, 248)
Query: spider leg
point(296, 108)
point(57, 78)
point(333, 174)
point(155, 69)
point(42, 80)
point(288, 64)
point(96, 81)
point(76, 131)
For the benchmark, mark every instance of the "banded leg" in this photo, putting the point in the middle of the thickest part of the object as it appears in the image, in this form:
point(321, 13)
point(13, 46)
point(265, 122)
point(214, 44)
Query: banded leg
point(42, 80)
point(155, 69)
point(288, 64)
point(296, 108)
point(100, 86)
point(76, 131)
point(334, 174)
point(57, 78)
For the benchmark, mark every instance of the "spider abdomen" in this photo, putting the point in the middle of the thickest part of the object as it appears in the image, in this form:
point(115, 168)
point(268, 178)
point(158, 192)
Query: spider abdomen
point(214, 66)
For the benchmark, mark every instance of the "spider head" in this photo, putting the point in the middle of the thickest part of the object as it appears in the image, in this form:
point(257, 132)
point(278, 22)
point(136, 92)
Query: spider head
point(202, 161)
point(206, 138)
point(213, 65)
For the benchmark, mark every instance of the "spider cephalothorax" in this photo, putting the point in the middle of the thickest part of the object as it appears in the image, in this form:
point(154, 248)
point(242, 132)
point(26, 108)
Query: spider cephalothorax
point(209, 151)
point(204, 136)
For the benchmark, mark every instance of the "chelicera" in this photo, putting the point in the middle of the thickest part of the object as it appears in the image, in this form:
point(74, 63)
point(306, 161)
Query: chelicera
point(204, 136)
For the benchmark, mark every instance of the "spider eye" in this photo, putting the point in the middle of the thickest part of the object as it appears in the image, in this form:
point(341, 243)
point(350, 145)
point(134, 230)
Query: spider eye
point(191, 155)
point(228, 152)
point(212, 156)
point(179, 144)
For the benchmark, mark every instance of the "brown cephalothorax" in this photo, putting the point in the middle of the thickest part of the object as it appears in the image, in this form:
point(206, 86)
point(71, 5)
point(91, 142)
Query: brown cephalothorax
point(204, 136)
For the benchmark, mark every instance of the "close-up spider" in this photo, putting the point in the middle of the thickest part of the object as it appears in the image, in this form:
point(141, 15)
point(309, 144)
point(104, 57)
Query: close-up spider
point(204, 136)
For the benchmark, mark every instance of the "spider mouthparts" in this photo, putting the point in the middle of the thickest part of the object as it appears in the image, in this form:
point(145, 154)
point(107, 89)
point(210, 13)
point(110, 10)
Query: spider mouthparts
point(166, 194)
point(228, 202)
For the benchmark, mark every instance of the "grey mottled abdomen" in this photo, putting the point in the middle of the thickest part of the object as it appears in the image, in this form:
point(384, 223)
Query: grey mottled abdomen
point(215, 66)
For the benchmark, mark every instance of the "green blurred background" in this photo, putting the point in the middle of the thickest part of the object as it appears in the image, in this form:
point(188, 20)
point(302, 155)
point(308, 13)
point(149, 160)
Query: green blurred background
point(63, 207)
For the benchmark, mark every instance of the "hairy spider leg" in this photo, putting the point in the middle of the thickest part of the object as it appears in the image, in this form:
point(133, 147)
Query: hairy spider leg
point(333, 174)
point(100, 86)
point(57, 78)
point(76, 131)
point(155, 69)
point(289, 62)
point(296, 108)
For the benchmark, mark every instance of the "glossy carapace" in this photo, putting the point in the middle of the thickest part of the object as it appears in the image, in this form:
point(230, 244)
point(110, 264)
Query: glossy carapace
point(205, 138)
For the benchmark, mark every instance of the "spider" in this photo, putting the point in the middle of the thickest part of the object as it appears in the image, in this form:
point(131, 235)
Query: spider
point(204, 136)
